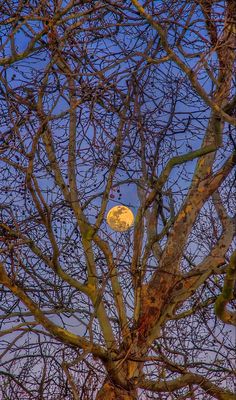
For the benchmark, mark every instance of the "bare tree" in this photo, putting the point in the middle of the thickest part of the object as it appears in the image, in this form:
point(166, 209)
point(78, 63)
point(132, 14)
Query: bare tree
point(106, 103)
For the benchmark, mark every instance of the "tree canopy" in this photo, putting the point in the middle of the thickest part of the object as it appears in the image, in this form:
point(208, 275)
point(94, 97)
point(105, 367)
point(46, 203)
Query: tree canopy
point(107, 103)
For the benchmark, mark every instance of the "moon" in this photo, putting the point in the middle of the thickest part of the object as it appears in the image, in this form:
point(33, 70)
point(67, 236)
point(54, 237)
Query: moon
point(120, 218)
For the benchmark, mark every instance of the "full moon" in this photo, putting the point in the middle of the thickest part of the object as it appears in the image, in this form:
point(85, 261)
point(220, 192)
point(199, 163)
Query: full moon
point(120, 218)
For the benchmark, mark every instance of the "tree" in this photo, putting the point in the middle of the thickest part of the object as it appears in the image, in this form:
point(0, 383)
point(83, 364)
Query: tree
point(106, 103)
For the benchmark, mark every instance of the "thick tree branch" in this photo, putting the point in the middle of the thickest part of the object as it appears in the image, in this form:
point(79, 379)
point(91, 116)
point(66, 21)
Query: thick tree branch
point(62, 334)
point(185, 380)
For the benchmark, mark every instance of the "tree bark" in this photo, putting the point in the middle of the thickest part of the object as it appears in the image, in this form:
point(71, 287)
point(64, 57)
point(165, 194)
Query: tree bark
point(111, 392)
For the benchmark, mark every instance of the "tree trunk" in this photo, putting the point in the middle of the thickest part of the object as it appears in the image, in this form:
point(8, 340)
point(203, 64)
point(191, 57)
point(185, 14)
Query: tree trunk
point(112, 392)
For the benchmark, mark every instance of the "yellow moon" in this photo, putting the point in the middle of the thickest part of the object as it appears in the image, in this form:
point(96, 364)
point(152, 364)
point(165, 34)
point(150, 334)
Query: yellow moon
point(120, 218)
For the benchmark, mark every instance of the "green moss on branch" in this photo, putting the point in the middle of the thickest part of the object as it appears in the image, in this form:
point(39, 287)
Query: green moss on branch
point(227, 316)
